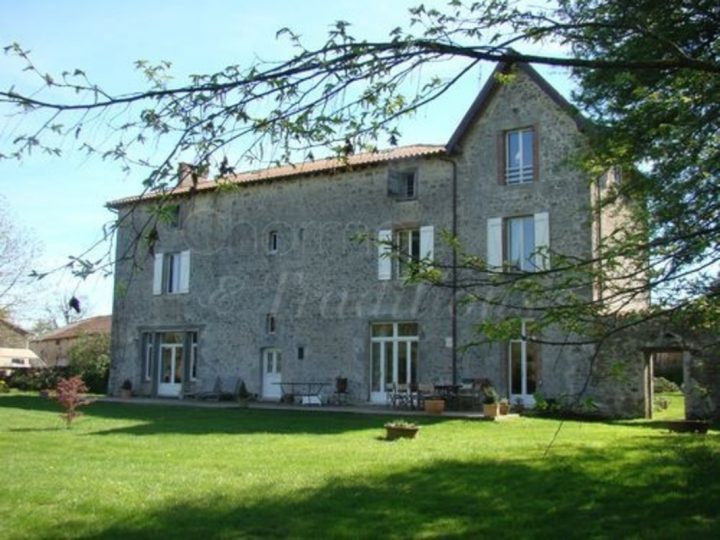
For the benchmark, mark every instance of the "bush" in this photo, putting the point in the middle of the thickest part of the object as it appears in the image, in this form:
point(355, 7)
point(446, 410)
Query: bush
point(90, 360)
point(4, 388)
point(69, 396)
point(36, 378)
point(662, 385)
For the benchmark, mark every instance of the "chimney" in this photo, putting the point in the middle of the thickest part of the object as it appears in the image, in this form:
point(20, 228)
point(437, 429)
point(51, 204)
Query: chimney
point(187, 177)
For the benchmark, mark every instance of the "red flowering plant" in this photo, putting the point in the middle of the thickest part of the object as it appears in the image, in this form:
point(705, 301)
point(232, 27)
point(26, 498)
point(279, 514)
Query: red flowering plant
point(70, 396)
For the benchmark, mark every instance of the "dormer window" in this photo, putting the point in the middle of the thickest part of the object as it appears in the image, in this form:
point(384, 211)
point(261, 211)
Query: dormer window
point(402, 184)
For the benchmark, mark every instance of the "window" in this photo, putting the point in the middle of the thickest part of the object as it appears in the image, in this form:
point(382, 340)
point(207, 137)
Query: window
point(173, 215)
point(398, 250)
point(273, 242)
point(402, 185)
point(17, 361)
point(519, 156)
point(147, 355)
point(270, 324)
point(524, 367)
point(172, 273)
point(520, 243)
point(408, 250)
point(301, 353)
point(394, 356)
point(193, 355)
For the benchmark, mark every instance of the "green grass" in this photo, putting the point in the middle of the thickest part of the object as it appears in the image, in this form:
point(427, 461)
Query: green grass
point(133, 471)
point(676, 406)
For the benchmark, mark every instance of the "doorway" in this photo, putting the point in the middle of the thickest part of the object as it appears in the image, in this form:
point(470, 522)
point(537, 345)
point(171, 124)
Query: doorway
point(272, 374)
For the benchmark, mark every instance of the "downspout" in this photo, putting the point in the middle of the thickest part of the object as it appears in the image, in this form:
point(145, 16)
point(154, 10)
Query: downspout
point(454, 277)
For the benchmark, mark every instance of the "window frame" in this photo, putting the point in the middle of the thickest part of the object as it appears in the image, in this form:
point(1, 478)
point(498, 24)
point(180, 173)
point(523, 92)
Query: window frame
point(398, 181)
point(270, 324)
point(525, 264)
point(522, 174)
point(404, 260)
point(273, 242)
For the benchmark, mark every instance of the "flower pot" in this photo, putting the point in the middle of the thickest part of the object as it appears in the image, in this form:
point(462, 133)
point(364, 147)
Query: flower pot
point(125, 393)
point(491, 410)
point(504, 408)
point(398, 432)
point(434, 406)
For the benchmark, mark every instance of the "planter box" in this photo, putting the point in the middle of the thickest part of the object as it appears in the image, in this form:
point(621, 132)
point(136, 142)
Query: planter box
point(434, 406)
point(393, 432)
point(491, 410)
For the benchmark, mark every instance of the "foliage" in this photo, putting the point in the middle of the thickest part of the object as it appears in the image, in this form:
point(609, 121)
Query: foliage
point(401, 423)
point(70, 397)
point(36, 378)
point(195, 472)
point(648, 78)
point(661, 384)
point(4, 388)
point(18, 250)
point(90, 359)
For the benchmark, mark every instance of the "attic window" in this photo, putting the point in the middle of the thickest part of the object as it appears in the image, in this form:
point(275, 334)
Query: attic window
point(402, 184)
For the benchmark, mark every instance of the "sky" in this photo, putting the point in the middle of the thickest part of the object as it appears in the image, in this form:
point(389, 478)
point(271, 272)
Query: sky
point(61, 201)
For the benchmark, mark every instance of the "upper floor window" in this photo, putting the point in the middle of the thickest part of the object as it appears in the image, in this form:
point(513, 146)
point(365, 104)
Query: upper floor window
point(172, 273)
point(270, 324)
point(402, 185)
point(398, 250)
point(519, 161)
point(174, 215)
point(519, 243)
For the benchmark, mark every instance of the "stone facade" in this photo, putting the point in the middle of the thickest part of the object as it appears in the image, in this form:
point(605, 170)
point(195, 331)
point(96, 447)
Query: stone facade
point(12, 336)
point(321, 287)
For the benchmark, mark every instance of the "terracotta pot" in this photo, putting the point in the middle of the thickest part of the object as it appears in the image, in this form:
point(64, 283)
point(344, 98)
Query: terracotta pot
point(434, 406)
point(491, 410)
point(504, 408)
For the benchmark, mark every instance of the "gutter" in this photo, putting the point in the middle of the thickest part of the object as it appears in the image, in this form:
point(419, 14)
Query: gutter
point(454, 278)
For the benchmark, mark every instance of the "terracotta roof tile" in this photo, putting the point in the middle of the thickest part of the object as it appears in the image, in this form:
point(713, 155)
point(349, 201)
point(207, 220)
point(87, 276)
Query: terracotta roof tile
point(321, 166)
point(91, 325)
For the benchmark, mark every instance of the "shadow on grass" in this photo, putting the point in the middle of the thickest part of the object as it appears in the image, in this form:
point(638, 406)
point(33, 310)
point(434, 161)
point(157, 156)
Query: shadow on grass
point(588, 496)
point(165, 419)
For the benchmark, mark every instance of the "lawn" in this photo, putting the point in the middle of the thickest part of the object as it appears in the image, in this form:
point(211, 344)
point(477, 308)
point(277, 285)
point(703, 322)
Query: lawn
point(134, 471)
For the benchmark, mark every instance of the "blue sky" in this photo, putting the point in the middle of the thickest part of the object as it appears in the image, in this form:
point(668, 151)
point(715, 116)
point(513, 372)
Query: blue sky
point(62, 200)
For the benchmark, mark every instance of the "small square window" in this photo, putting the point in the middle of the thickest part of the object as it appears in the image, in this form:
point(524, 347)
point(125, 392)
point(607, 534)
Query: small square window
point(402, 185)
point(301, 353)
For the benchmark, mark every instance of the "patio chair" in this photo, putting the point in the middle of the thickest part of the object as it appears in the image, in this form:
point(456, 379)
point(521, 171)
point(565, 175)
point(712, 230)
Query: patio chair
point(424, 391)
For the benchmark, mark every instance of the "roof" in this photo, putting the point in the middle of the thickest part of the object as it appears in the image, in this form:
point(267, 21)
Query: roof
point(321, 166)
point(493, 84)
point(7, 355)
point(15, 327)
point(92, 325)
point(334, 165)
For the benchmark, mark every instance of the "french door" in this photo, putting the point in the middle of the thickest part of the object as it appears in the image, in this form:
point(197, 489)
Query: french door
point(394, 357)
point(523, 369)
point(171, 365)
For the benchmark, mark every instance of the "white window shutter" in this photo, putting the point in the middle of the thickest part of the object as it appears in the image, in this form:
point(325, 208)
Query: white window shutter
point(494, 243)
point(384, 254)
point(184, 272)
point(158, 274)
point(427, 242)
point(542, 240)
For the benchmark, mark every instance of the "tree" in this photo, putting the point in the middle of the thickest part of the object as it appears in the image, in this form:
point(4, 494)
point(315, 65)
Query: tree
point(17, 251)
point(89, 359)
point(649, 80)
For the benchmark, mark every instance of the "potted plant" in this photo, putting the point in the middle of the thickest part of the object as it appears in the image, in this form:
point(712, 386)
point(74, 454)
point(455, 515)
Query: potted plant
point(504, 406)
point(491, 403)
point(243, 396)
point(434, 405)
point(398, 429)
point(126, 389)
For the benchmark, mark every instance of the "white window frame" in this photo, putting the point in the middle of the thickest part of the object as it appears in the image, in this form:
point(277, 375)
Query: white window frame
point(171, 274)
point(409, 255)
point(522, 173)
point(524, 396)
point(498, 243)
point(524, 264)
point(397, 341)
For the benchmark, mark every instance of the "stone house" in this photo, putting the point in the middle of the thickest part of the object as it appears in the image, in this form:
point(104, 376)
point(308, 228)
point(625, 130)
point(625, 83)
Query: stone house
point(54, 347)
point(14, 352)
point(264, 280)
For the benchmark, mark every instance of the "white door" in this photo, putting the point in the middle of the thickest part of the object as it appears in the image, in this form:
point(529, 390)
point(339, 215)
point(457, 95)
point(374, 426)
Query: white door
point(272, 374)
point(170, 374)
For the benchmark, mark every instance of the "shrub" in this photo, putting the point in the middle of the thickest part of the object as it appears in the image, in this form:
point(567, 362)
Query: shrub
point(70, 397)
point(90, 360)
point(36, 378)
point(661, 384)
point(4, 388)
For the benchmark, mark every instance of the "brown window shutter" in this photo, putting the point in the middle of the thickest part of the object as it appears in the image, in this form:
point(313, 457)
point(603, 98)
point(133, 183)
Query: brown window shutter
point(536, 153)
point(501, 158)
